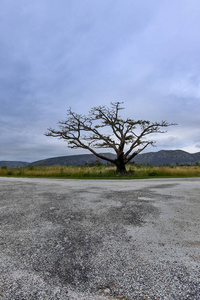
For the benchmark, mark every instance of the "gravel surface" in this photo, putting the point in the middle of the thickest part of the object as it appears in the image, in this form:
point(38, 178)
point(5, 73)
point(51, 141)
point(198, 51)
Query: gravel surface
point(98, 239)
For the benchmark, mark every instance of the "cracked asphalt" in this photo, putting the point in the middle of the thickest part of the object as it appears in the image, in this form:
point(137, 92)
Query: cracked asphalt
point(99, 239)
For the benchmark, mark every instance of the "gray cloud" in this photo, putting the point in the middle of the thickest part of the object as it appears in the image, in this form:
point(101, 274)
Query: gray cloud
point(56, 54)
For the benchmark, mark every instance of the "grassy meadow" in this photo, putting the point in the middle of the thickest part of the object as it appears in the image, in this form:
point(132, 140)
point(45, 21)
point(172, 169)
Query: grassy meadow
point(102, 172)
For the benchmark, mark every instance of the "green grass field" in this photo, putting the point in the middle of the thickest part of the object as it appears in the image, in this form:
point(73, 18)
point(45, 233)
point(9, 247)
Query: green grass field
point(102, 172)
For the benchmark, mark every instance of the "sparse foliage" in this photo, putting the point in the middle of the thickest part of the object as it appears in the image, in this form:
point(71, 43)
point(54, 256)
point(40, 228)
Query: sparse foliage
point(126, 137)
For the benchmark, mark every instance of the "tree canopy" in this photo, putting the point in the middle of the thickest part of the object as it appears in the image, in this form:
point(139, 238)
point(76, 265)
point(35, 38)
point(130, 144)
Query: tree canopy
point(103, 127)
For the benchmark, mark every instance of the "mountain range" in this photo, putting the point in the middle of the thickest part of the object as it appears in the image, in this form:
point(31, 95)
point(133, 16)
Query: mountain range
point(160, 158)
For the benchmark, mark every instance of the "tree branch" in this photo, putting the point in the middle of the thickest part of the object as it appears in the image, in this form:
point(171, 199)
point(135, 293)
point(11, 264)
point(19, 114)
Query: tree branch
point(82, 131)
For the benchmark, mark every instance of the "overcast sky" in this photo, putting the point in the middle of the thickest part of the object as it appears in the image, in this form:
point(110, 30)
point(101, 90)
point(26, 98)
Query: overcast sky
point(84, 53)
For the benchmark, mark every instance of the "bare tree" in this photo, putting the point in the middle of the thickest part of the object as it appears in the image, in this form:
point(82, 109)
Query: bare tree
point(89, 132)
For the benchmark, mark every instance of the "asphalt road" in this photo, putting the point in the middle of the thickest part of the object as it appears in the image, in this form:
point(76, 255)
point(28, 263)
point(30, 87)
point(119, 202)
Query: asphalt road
point(99, 239)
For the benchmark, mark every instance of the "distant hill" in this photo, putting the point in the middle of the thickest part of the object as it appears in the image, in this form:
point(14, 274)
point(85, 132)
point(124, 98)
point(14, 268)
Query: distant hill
point(72, 160)
point(160, 158)
point(167, 158)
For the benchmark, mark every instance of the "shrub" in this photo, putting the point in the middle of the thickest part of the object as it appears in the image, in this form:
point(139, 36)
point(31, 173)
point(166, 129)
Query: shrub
point(9, 173)
point(153, 173)
point(4, 167)
point(31, 167)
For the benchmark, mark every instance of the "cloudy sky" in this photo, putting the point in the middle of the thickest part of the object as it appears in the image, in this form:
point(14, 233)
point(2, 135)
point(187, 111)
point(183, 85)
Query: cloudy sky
point(84, 53)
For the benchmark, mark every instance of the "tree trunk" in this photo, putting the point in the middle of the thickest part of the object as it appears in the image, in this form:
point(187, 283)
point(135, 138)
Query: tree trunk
point(120, 164)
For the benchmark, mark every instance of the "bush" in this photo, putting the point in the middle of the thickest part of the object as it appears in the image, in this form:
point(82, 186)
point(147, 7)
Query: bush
point(9, 173)
point(4, 167)
point(153, 173)
point(31, 167)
